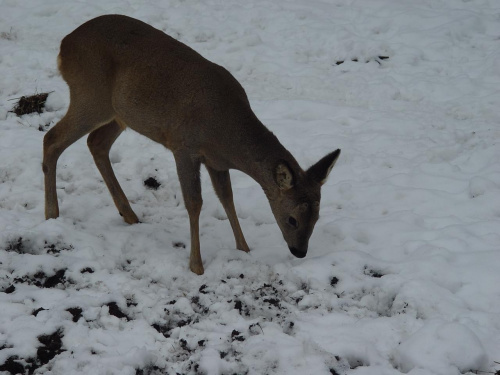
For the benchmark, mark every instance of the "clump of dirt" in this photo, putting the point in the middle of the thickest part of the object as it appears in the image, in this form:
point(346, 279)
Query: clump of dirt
point(238, 305)
point(272, 301)
point(16, 246)
point(164, 329)
point(377, 59)
point(21, 245)
point(115, 311)
point(236, 336)
point(178, 319)
point(30, 104)
point(198, 307)
point(152, 183)
point(334, 281)
point(373, 273)
point(56, 279)
point(179, 245)
point(289, 328)
point(51, 346)
point(255, 329)
point(202, 289)
point(41, 280)
point(55, 249)
point(8, 35)
point(182, 322)
point(184, 345)
point(131, 302)
point(149, 370)
point(35, 313)
point(76, 312)
point(43, 128)
point(12, 366)
point(10, 289)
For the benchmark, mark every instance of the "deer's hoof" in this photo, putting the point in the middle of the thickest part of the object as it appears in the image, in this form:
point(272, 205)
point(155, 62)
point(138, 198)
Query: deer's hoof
point(197, 268)
point(130, 218)
point(244, 248)
point(51, 214)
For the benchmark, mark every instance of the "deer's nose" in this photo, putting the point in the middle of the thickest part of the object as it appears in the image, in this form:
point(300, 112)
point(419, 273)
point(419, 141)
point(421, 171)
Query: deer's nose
point(298, 253)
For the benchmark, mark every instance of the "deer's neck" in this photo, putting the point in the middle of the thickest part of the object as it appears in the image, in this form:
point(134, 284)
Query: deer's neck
point(262, 155)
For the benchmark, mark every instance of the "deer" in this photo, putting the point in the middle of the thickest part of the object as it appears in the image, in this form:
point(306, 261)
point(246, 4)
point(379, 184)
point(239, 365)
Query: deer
point(123, 73)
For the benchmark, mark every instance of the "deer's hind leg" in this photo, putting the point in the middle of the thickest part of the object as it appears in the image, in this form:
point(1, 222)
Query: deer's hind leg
point(100, 142)
point(79, 121)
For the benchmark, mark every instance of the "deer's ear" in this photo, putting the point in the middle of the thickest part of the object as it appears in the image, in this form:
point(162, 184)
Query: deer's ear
point(283, 176)
point(320, 171)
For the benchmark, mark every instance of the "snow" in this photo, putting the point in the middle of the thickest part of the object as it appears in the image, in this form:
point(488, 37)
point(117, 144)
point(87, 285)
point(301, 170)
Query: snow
point(402, 271)
point(437, 345)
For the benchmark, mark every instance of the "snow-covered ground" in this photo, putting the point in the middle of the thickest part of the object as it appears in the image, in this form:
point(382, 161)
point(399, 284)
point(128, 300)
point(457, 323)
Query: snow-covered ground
point(403, 271)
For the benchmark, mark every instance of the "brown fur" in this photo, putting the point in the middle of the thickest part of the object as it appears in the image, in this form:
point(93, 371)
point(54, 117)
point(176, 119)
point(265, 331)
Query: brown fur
point(124, 73)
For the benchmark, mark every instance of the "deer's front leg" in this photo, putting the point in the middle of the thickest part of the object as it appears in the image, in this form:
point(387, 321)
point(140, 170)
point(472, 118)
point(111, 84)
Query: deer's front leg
point(188, 170)
point(222, 186)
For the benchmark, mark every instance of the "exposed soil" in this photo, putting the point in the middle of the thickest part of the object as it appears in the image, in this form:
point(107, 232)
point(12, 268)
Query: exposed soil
point(76, 312)
point(41, 280)
point(115, 311)
point(51, 345)
point(378, 59)
point(152, 183)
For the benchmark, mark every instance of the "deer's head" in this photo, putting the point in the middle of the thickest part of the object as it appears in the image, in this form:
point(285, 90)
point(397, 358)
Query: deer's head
point(296, 203)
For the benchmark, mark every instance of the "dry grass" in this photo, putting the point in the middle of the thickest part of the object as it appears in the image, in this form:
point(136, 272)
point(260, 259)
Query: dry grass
point(30, 104)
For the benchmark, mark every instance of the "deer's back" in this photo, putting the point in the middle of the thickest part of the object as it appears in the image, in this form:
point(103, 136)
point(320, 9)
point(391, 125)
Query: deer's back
point(154, 83)
point(120, 42)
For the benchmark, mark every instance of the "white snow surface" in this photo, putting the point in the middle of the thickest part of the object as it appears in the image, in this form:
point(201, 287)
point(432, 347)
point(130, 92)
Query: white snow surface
point(403, 269)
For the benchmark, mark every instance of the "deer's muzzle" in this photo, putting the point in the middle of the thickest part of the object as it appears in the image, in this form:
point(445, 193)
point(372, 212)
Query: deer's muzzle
point(298, 253)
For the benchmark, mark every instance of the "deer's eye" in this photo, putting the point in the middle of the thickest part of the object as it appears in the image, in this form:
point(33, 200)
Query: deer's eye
point(293, 222)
